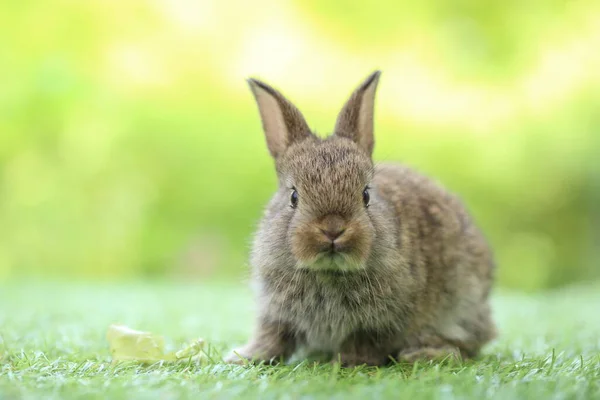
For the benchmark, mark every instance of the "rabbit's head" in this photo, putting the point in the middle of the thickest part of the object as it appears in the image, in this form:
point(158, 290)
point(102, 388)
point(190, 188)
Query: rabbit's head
point(324, 212)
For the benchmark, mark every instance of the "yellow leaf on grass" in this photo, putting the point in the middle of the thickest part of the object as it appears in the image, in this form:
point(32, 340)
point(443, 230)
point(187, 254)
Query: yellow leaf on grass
point(127, 344)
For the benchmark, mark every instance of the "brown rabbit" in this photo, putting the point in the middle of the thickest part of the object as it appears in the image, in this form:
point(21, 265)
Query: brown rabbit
point(364, 263)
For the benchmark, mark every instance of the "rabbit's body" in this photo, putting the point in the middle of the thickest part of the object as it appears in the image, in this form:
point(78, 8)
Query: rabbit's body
point(401, 273)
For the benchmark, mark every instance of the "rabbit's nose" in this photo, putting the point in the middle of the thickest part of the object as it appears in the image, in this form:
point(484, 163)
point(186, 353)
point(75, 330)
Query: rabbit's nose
point(332, 226)
point(334, 233)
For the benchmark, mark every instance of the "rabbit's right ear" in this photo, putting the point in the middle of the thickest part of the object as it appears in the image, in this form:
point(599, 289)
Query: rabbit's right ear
point(282, 123)
point(355, 121)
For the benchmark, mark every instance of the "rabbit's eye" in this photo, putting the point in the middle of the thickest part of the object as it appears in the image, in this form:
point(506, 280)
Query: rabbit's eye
point(294, 199)
point(366, 197)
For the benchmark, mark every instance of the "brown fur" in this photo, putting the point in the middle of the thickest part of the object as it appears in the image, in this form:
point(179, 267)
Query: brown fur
point(410, 275)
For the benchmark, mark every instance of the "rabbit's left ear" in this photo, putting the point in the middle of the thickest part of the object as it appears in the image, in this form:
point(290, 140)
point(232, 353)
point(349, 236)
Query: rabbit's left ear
point(282, 122)
point(355, 121)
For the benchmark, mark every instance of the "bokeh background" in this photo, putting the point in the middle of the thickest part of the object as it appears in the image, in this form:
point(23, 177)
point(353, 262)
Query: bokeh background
point(131, 148)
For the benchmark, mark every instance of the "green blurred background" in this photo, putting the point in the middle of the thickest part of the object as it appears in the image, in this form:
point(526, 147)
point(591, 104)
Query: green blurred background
point(130, 145)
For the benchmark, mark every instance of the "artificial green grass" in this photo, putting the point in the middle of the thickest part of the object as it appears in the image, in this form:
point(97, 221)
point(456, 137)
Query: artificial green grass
point(52, 345)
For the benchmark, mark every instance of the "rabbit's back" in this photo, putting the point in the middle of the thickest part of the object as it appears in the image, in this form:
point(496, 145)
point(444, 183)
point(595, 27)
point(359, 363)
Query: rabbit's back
point(433, 223)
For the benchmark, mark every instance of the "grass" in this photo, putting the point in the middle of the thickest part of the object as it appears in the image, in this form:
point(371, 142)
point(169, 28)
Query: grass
point(52, 345)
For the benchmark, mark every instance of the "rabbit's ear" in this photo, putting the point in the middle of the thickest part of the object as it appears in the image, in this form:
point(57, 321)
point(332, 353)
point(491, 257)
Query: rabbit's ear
point(282, 123)
point(355, 121)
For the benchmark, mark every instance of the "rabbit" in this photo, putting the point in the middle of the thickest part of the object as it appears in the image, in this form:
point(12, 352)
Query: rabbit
point(367, 264)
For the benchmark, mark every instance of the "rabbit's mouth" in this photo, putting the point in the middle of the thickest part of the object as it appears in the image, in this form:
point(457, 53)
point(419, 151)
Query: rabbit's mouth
point(334, 249)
